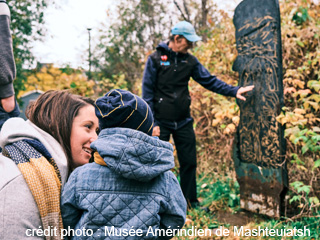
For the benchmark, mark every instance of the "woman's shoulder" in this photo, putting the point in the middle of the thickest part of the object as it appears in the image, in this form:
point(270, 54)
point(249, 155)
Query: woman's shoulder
point(8, 171)
point(16, 129)
point(19, 211)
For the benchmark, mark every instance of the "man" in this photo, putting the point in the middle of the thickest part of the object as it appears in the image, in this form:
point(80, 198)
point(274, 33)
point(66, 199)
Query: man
point(8, 106)
point(165, 89)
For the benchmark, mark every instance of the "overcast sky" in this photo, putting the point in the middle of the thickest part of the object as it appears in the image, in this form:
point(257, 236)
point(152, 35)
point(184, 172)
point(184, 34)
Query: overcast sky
point(66, 41)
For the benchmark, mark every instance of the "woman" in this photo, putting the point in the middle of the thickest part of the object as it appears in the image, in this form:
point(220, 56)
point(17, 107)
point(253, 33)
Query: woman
point(37, 157)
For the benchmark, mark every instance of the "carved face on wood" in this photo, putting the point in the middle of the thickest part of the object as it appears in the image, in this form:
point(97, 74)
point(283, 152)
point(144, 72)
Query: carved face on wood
point(257, 65)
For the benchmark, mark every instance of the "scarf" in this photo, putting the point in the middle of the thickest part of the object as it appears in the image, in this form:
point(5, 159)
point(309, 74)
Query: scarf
point(43, 178)
point(98, 159)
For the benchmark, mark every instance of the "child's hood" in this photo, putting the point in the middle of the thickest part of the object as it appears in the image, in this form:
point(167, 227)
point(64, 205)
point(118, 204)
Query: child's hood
point(134, 154)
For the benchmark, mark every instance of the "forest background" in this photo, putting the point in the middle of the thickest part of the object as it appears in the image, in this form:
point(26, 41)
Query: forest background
point(118, 62)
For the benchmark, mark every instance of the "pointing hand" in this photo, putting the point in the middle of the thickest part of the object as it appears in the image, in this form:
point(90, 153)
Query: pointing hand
point(242, 91)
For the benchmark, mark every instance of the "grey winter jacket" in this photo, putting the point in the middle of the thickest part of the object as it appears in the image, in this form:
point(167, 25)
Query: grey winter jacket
point(7, 64)
point(19, 214)
point(136, 190)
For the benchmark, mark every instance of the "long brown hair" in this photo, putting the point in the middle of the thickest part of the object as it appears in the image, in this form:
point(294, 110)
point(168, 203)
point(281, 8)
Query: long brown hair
point(54, 112)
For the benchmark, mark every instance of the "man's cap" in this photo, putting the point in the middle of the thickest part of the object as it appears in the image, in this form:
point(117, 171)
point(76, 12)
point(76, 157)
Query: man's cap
point(121, 108)
point(185, 29)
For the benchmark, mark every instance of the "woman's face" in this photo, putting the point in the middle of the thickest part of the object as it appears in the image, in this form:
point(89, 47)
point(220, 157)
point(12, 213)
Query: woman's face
point(83, 133)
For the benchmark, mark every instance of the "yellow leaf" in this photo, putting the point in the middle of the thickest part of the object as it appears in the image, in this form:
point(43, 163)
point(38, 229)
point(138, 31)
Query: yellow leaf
point(227, 131)
point(316, 129)
point(236, 120)
point(218, 115)
point(302, 168)
point(299, 111)
point(204, 185)
point(298, 83)
point(315, 97)
point(215, 122)
point(231, 126)
point(289, 90)
point(188, 221)
point(315, 105)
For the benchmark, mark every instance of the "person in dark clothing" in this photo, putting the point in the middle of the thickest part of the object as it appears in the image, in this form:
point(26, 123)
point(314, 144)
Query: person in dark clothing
point(8, 106)
point(165, 89)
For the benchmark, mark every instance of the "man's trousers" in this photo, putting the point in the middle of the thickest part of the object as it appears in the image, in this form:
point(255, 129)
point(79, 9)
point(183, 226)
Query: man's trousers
point(185, 142)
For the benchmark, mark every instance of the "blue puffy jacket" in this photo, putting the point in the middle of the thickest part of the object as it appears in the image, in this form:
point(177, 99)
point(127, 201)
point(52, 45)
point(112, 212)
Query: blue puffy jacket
point(136, 190)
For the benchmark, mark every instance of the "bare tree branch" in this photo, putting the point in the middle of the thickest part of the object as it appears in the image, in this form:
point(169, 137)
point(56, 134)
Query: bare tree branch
point(186, 9)
point(177, 5)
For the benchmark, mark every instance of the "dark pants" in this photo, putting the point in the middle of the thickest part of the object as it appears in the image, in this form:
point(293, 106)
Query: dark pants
point(185, 142)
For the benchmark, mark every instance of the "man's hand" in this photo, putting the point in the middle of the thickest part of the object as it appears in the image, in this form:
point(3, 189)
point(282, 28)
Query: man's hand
point(243, 91)
point(156, 131)
point(8, 104)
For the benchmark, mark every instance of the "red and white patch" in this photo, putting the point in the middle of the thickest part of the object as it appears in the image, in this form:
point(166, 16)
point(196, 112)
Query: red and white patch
point(164, 58)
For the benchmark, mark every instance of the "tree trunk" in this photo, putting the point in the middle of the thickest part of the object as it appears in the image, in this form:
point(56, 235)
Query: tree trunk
point(204, 27)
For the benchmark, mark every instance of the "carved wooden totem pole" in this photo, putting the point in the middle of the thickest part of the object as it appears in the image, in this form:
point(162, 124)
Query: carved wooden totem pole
point(259, 149)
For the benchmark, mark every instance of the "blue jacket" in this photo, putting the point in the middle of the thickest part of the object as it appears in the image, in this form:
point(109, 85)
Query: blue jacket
point(4, 116)
point(135, 190)
point(165, 80)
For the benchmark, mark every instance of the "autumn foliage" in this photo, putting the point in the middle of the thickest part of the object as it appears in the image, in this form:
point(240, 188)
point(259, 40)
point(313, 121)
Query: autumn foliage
point(50, 77)
point(216, 117)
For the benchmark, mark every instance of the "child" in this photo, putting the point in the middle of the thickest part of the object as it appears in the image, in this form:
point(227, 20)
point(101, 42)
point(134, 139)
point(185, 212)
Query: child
point(129, 186)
